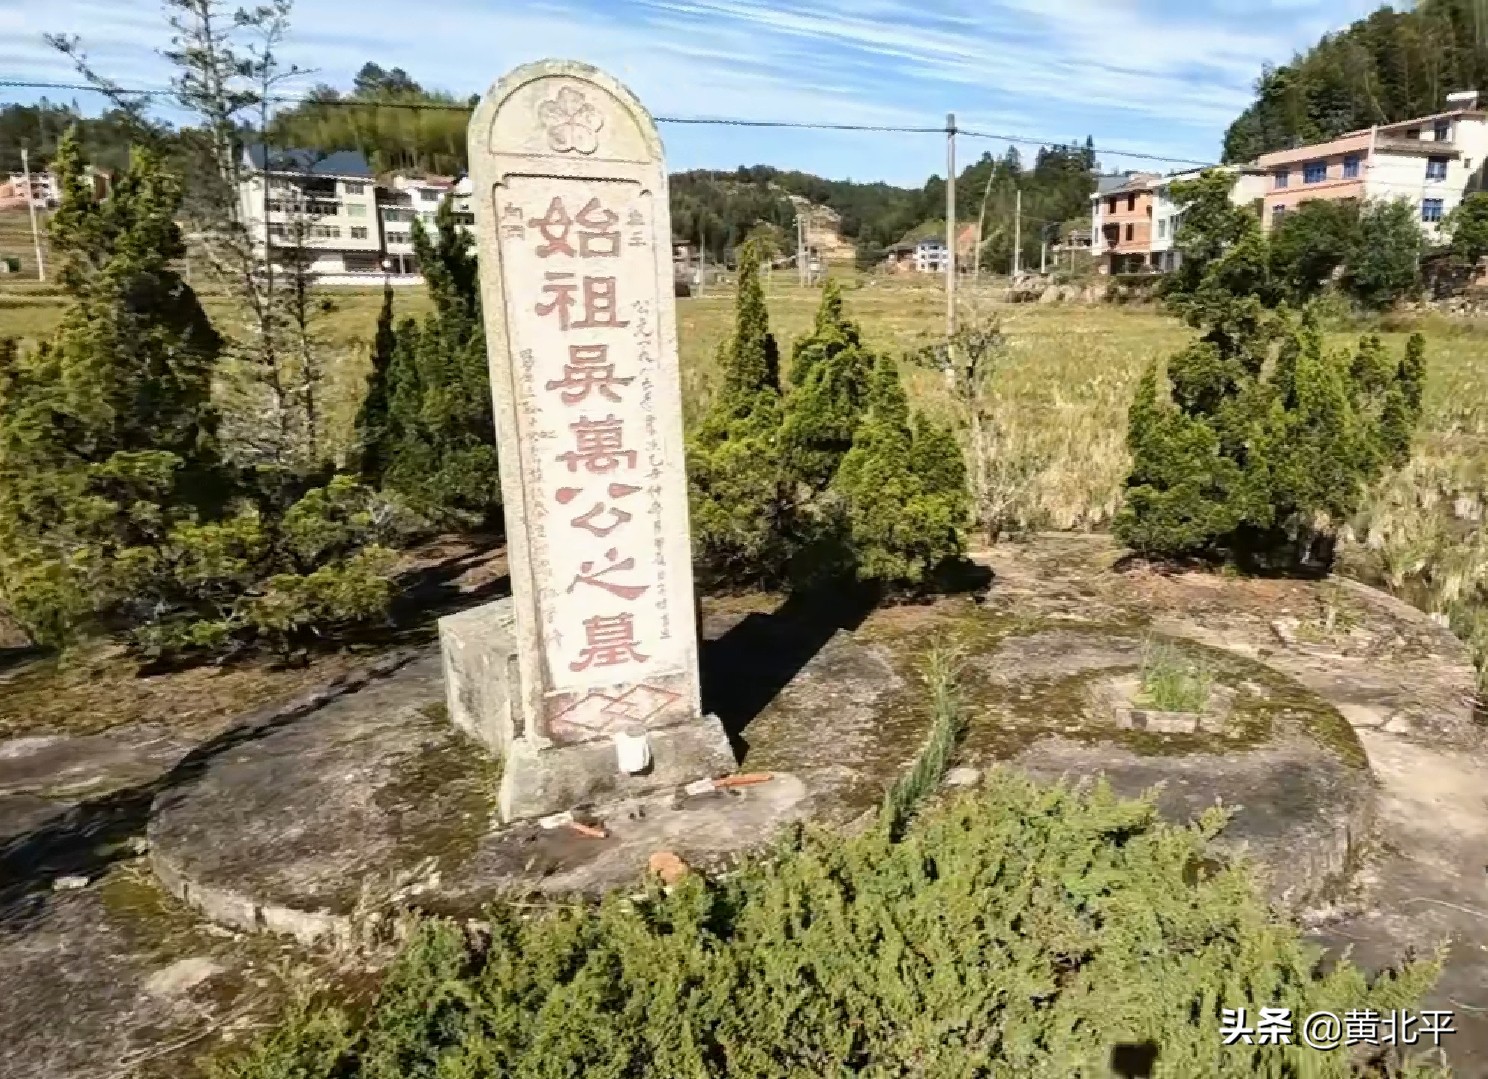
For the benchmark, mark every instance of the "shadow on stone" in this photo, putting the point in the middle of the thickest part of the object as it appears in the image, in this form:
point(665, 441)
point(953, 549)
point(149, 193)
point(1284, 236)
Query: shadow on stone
point(11, 658)
point(1134, 1061)
point(427, 593)
point(745, 666)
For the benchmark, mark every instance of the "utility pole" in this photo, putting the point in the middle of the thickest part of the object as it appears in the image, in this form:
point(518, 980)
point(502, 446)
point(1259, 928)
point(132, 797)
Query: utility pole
point(800, 249)
point(1018, 236)
point(950, 224)
point(1044, 254)
point(31, 206)
point(702, 257)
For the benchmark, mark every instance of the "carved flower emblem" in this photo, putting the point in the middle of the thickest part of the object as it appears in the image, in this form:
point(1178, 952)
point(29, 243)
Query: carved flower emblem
point(573, 123)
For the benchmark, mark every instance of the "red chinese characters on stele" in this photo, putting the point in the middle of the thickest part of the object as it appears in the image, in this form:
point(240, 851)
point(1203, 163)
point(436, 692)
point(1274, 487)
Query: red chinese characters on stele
point(582, 300)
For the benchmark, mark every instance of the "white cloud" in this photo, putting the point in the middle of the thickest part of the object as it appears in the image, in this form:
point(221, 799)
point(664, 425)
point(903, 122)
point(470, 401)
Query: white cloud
point(1158, 75)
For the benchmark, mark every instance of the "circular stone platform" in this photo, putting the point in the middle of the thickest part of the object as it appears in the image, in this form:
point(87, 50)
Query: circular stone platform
point(376, 798)
point(1284, 760)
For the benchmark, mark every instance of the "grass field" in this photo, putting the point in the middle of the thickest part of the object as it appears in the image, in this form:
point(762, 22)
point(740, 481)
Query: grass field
point(1061, 401)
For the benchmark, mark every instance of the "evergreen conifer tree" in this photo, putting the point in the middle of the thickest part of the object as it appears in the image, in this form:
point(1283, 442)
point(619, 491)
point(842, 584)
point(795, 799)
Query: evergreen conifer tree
point(1264, 462)
point(829, 378)
point(373, 438)
point(107, 433)
point(903, 488)
point(740, 500)
point(426, 425)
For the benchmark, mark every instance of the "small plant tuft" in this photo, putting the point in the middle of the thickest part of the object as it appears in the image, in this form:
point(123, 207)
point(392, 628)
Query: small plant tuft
point(1172, 682)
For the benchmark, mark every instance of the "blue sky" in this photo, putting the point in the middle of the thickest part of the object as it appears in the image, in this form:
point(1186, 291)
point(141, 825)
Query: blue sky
point(1160, 76)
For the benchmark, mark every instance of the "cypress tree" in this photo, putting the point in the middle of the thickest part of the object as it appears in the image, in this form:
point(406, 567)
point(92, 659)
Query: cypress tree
point(373, 438)
point(741, 505)
point(427, 424)
point(1264, 463)
point(107, 433)
point(829, 376)
point(903, 487)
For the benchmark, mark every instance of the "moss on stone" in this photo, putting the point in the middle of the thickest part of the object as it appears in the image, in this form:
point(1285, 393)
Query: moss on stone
point(451, 788)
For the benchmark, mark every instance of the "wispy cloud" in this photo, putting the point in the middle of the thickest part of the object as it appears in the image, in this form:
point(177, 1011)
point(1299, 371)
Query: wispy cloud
point(1160, 76)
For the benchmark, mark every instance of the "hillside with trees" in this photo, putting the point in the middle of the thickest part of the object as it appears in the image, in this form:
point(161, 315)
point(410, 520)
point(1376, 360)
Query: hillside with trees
point(388, 116)
point(104, 140)
point(717, 209)
point(1388, 67)
point(398, 124)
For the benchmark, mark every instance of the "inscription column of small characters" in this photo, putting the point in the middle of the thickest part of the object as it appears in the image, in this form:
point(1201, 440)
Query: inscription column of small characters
point(514, 229)
point(655, 459)
point(599, 453)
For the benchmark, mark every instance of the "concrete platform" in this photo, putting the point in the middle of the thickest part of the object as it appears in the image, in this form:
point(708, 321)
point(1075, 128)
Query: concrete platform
point(378, 799)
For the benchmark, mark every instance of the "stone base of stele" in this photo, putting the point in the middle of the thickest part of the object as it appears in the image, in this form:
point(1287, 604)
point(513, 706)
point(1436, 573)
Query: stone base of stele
point(540, 777)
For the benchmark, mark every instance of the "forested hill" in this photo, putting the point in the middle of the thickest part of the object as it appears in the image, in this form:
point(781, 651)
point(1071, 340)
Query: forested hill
point(718, 208)
point(1388, 67)
point(398, 124)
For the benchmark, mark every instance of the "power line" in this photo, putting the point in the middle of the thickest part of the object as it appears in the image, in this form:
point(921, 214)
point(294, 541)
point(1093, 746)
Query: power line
point(443, 106)
point(1030, 141)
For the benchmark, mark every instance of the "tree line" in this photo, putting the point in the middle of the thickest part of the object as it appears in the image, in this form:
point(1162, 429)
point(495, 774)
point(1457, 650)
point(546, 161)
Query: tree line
point(1388, 67)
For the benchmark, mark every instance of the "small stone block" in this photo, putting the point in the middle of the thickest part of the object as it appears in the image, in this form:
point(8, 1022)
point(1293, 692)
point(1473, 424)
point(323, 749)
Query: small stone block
point(1165, 722)
point(962, 777)
point(479, 650)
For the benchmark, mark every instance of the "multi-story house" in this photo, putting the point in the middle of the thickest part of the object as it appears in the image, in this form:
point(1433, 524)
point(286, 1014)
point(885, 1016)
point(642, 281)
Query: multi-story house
point(929, 254)
point(1135, 223)
point(1121, 223)
point(331, 209)
point(45, 192)
point(1432, 162)
point(322, 207)
point(412, 199)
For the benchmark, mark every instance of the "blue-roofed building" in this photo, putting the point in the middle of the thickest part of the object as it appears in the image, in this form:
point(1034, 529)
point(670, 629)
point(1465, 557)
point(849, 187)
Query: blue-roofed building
point(322, 203)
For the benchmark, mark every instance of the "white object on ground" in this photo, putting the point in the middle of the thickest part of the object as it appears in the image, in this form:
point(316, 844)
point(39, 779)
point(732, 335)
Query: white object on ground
point(632, 752)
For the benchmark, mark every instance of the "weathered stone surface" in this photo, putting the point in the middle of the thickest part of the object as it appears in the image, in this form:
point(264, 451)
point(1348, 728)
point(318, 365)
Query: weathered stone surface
point(963, 777)
point(536, 782)
point(480, 672)
point(1304, 815)
point(376, 800)
point(574, 243)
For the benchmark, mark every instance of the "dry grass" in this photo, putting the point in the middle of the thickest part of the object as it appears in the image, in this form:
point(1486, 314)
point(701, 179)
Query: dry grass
point(1060, 410)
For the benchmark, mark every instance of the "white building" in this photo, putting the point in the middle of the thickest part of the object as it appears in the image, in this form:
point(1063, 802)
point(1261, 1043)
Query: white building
point(1167, 214)
point(323, 204)
point(353, 230)
point(1431, 161)
point(418, 198)
point(1135, 221)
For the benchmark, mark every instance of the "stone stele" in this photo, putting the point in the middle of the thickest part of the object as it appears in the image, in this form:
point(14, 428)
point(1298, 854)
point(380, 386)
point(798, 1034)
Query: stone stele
point(598, 645)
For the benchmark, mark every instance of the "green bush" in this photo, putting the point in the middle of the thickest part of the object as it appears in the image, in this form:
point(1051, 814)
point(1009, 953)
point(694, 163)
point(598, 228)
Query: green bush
point(426, 429)
point(741, 502)
point(827, 478)
point(1266, 441)
point(117, 514)
point(107, 432)
point(1264, 459)
point(1385, 266)
point(1019, 930)
point(903, 489)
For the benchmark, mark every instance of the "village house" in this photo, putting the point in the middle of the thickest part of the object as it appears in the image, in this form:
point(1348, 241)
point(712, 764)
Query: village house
point(1432, 161)
point(923, 250)
point(45, 190)
point(407, 199)
point(353, 229)
point(1135, 221)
